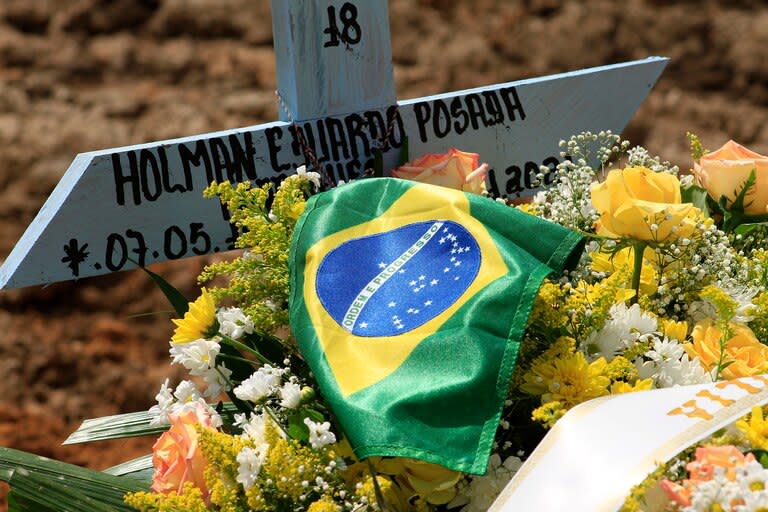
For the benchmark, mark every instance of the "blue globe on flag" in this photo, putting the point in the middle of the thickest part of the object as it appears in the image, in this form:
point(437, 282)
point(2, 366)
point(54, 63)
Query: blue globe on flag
point(393, 282)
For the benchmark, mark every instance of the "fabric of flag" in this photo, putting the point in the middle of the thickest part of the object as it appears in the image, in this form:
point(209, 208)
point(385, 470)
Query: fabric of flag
point(409, 302)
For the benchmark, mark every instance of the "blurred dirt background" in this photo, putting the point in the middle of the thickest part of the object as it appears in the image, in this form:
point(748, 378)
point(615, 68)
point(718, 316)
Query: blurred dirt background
point(81, 75)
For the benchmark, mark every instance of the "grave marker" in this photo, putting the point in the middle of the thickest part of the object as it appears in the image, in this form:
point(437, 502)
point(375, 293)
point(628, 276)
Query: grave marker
point(144, 203)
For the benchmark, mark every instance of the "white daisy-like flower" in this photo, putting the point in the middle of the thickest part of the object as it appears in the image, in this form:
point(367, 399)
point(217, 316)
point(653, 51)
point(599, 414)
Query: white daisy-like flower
point(234, 323)
point(196, 356)
point(290, 395)
point(687, 373)
point(165, 402)
point(216, 380)
point(187, 392)
point(254, 427)
point(249, 462)
point(621, 331)
point(753, 501)
point(320, 434)
point(743, 295)
point(261, 384)
point(752, 478)
point(668, 365)
point(708, 494)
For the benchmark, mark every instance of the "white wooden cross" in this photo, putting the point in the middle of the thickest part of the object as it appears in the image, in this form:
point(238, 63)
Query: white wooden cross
point(144, 203)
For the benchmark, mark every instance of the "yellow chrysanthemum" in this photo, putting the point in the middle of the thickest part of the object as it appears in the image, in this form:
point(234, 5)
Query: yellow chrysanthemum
point(198, 322)
point(568, 379)
point(756, 429)
point(324, 504)
point(625, 387)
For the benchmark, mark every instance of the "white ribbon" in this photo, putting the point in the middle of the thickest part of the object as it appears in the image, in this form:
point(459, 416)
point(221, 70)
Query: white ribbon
point(600, 449)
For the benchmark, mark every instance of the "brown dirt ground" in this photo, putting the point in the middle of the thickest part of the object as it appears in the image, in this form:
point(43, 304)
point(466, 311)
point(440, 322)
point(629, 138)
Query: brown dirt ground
point(80, 75)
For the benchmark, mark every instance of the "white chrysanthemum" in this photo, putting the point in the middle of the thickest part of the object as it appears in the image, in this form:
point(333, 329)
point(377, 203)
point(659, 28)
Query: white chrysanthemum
point(481, 491)
point(319, 433)
point(707, 494)
point(621, 331)
point(290, 395)
point(688, 373)
point(254, 427)
point(196, 356)
point(187, 392)
point(216, 380)
point(754, 501)
point(249, 465)
point(234, 323)
point(165, 401)
point(752, 479)
point(261, 384)
point(668, 365)
point(745, 311)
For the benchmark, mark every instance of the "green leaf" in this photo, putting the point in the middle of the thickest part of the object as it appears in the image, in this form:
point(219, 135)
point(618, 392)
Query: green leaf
point(41, 484)
point(698, 197)
point(738, 203)
point(120, 426)
point(134, 468)
point(747, 228)
point(296, 427)
point(178, 301)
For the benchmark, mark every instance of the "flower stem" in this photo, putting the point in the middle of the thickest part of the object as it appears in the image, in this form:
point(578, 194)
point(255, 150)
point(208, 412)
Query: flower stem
point(242, 346)
point(638, 249)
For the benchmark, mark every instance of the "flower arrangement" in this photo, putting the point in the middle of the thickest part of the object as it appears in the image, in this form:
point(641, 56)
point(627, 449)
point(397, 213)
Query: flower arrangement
point(726, 471)
point(671, 289)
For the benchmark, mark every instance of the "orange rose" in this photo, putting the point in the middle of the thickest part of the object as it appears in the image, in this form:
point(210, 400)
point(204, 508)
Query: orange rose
point(176, 455)
point(454, 169)
point(744, 353)
point(724, 172)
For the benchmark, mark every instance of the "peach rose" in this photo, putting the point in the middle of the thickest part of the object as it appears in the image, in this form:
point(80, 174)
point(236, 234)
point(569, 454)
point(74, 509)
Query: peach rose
point(176, 456)
point(454, 169)
point(724, 172)
point(744, 353)
point(638, 203)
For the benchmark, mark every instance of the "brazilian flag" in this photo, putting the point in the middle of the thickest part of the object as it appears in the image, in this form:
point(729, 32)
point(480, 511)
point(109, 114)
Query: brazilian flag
point(409, 302)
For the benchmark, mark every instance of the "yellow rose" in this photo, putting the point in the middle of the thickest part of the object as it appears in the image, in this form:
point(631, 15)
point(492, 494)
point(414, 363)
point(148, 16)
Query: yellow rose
point(724, 172)
point(638, 203)
point(744, 353)
point(176, 456)
point(435, 484)
point(454, 169)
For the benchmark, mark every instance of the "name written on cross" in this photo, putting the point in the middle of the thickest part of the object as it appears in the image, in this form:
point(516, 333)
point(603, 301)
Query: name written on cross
point(144, 203)
point(344, 146)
